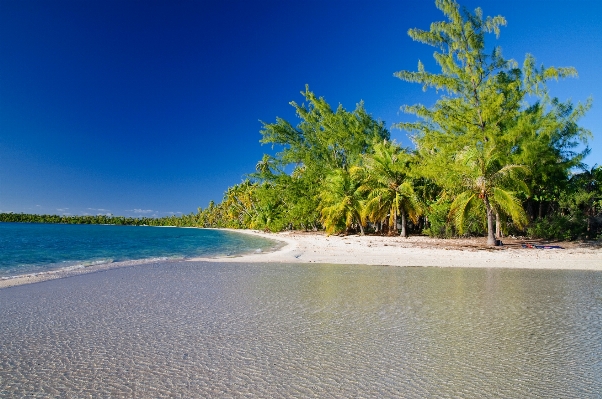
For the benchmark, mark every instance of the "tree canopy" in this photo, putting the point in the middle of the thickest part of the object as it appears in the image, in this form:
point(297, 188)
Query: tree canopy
point(474, 140)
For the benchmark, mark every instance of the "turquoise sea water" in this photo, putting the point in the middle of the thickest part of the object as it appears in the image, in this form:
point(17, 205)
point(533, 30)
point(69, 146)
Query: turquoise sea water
point(32, 248)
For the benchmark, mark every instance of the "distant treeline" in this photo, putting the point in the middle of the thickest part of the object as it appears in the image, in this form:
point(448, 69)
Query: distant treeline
point(211, 217)
point(190, 220)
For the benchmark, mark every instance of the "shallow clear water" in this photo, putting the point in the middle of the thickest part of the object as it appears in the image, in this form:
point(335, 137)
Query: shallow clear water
point(196, 329)
point(30, 247)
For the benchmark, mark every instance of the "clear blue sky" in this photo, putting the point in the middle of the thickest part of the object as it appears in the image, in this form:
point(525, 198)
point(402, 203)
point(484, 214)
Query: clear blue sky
point(150, 107)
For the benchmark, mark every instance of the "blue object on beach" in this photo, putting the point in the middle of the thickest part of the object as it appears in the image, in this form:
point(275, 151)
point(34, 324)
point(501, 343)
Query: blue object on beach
point(542, 246)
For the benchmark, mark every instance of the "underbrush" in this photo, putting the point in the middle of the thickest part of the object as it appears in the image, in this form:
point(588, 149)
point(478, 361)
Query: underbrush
point(558, 227)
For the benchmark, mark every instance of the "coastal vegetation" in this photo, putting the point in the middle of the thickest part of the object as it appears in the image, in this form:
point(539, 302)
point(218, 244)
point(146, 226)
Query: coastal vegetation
point(190, 220)
point(496, 154)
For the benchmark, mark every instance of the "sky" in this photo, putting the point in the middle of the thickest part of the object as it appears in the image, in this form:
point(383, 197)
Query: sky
point(152, 108)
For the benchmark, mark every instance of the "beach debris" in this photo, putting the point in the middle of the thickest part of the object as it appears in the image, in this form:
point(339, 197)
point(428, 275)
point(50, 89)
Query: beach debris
point(533, 246)
point(258, 251)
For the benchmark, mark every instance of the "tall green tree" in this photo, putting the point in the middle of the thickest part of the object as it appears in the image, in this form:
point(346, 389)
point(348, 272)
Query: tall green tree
point(388, 187)
point(341, 200)
point(464, 139)
point(545, 138)
point(324, 141)
point(486, 181)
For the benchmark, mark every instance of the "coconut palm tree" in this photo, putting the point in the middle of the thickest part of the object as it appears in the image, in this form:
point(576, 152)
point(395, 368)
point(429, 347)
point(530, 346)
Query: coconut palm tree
point(341, 200)
point(239, 203)
point(390, 191)
point(487, 183)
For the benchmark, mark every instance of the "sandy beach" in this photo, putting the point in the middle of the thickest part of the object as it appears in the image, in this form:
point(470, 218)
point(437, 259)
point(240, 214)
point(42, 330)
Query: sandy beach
point(311, 247)
point(316, 247)
point(268, 325)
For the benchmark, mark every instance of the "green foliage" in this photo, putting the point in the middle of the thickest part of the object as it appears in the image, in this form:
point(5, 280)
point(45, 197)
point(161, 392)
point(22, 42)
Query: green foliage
point(267, 209)
point(324, 139)
point(486, 181)
point(388, 187)
point(324, 143)
point(475, 140)
point(579, 213)
point(178, 221)
point(559, 227)
point(301, 210)
point(341, 200)
point(439, 224)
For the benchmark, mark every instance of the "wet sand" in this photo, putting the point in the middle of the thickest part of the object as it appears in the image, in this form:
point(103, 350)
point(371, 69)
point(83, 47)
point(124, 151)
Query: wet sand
point(209, 329)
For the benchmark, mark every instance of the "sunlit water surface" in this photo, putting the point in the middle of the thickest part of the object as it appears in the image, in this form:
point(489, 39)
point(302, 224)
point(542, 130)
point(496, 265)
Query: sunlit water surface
point(194, 329)
point(37, 247)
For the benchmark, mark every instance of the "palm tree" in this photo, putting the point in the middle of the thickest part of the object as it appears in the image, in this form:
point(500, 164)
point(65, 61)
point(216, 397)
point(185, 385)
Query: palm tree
point(341, 200)
point(239, 203)
point(486, 181)
point(265, 216)
point(389, 189)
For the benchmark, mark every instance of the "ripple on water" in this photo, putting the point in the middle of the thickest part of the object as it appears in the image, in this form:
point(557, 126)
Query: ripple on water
point(200, 329)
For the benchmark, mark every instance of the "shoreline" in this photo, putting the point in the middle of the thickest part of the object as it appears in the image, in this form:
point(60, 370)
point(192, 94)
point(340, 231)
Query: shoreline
point(53, 274)
point(416, 251)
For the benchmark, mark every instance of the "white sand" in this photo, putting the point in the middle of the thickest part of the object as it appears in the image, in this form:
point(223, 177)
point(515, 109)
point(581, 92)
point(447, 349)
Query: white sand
point(419, 251)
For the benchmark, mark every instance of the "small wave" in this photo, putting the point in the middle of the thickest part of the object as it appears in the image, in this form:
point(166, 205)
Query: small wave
point(82, 265)
point(49, 269)
point(55, 250)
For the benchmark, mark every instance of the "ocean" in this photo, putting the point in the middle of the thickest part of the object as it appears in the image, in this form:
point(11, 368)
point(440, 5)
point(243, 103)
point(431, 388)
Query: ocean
point(27, 248)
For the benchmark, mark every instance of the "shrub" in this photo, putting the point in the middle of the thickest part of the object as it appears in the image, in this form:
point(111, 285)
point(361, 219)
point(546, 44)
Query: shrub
point(559, 227)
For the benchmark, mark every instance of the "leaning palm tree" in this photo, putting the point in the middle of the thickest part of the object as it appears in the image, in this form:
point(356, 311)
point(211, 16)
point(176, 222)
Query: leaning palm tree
point(487, 184)
point(390, 191)
point(341, 200)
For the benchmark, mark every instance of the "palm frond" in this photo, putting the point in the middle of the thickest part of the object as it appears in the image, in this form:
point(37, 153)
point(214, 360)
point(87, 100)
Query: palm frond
point(511, 205)
point(461, 207)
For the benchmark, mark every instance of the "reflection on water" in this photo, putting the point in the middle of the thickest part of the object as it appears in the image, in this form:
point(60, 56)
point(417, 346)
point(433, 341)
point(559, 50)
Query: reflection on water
point(231, 330)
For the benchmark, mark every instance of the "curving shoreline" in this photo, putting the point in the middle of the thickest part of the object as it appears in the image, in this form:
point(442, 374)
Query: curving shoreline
point(39, 277)
point(311, 247)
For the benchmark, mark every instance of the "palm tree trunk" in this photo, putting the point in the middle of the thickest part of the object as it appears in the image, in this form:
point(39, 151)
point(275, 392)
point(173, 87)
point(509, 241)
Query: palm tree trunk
point(361, 229)
point(403, 224)
point(498, 225)
point(491, 241)
point(359, 222)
